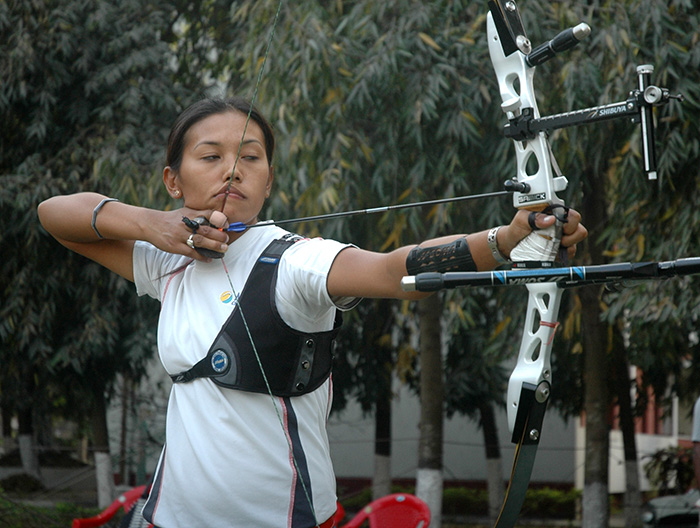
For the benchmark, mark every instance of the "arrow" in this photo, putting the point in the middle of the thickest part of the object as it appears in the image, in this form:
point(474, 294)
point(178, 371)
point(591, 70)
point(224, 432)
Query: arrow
point(510, 187)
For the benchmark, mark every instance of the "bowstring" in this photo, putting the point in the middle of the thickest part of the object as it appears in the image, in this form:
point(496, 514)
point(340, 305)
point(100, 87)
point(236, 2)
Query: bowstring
point(230, 282)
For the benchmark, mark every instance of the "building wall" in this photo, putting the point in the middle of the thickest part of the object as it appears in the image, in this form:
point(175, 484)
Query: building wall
point(352, 445)
point(560, 458)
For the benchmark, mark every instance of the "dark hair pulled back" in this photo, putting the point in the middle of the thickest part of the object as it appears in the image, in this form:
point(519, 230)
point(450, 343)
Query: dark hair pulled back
point(208, 107)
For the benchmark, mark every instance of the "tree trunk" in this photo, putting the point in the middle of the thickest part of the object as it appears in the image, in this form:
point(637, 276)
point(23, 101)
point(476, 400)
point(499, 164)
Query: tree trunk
point(429, 477)
point(381, 481)
point(494, 465)
point(633, 496)
point(383, 350)
point(6, 410)
point(29, 456)
point(103, 460)
point(594, 332)
point(123, 433)
point(595, 490)
point(28, 451)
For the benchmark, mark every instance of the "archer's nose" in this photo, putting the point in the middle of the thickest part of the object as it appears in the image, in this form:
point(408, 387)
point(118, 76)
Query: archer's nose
point(233, 172)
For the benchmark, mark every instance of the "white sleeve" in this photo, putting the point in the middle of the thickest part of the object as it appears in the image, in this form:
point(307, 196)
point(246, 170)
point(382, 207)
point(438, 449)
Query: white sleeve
point(153, 267)
point(303, 275)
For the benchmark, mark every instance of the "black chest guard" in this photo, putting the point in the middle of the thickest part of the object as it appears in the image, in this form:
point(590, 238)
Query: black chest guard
point(293, 362)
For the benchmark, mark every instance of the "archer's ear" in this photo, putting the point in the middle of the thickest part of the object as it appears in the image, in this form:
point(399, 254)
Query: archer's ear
point(270, 179)
point(170, 181)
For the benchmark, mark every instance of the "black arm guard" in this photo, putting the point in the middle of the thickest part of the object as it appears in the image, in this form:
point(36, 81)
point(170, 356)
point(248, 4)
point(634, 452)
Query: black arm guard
point(454, 256)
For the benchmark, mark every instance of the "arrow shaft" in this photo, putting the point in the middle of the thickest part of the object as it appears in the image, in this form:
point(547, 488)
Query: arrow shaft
point(239, 226)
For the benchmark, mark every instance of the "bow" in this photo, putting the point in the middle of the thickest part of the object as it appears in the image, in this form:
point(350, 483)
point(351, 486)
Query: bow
point(514, 61)
point(529, 384)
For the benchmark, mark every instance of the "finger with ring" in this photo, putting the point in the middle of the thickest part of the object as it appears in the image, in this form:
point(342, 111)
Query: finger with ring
point(190, 241)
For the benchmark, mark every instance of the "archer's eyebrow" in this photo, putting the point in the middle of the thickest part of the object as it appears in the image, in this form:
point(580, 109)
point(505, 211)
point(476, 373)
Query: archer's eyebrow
point(220, 144)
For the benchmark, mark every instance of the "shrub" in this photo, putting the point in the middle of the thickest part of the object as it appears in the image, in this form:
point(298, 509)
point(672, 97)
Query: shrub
point(550, 503)
point(465, 501)
point(670, 470)
point(21, 483)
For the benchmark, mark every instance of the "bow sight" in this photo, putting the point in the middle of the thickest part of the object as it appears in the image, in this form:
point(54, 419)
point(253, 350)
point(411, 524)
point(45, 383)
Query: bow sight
point(523, 124)
point(638, 107)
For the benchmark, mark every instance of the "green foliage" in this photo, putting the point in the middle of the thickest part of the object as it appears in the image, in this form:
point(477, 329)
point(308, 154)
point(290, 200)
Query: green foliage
point(475, 375)
point(670, 470)
point(465, 501)
point(356, 501)
point(87, 99)
point(374, 103)
point(21, 484)
point(551, 503)
point(18, 515)
point(660, 222)
point(540, 503)
point(369, 349)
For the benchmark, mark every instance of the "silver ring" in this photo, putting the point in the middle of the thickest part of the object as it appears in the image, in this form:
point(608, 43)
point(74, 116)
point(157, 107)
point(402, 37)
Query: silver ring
point(190, 242)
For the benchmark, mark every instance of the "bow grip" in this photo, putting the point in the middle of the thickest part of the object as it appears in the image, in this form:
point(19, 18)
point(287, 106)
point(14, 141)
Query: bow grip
point(539, 249)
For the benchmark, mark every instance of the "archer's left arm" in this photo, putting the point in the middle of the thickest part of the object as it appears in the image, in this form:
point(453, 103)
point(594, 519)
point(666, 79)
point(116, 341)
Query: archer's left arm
point(360, 273)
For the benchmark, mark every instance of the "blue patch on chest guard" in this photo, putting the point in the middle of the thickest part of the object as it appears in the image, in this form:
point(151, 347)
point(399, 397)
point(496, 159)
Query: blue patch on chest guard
point(268, 260)
point(219, 361)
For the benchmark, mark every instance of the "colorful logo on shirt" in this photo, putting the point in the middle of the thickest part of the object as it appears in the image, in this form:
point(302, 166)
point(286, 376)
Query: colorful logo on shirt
point(219, 361)
point(226, 297)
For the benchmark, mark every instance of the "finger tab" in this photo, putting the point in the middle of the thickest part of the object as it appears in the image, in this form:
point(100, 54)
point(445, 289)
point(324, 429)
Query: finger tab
point(218, 219)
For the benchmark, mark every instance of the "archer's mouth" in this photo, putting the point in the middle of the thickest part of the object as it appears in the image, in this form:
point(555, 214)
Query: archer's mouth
point(230, 193)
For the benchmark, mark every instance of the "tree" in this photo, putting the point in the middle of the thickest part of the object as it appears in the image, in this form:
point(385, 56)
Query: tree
point(607, 159)
point(375, 102)
point(476, 379)
point(87, 100)
point(369, 349)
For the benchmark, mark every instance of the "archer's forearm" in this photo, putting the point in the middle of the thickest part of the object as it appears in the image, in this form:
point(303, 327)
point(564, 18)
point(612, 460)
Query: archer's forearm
point(69, 219)
point(478, 247)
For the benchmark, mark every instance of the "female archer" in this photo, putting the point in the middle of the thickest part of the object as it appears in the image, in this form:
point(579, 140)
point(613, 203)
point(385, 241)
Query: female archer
point(242, 368)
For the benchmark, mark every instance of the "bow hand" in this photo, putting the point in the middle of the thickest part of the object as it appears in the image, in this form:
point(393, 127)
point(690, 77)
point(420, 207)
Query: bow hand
point(533, 238)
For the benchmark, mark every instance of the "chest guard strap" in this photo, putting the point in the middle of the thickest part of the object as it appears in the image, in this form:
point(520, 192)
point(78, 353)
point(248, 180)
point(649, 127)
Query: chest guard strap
point(294, 362)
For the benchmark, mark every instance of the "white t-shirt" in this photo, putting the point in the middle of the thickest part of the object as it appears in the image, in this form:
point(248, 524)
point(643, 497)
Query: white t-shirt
point(227, 460)
point(696, 422)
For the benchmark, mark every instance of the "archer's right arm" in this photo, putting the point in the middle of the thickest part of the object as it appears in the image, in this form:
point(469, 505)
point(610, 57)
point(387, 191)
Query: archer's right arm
point(69, 219)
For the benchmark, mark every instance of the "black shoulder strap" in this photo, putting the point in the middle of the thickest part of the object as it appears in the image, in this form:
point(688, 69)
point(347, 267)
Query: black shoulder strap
point(294, 362)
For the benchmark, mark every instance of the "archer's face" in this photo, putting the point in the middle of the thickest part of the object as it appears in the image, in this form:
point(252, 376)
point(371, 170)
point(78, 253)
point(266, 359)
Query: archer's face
point(211, 147)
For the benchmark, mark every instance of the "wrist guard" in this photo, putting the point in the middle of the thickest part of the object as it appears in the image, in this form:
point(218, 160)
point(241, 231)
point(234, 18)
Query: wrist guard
point(454, 256)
